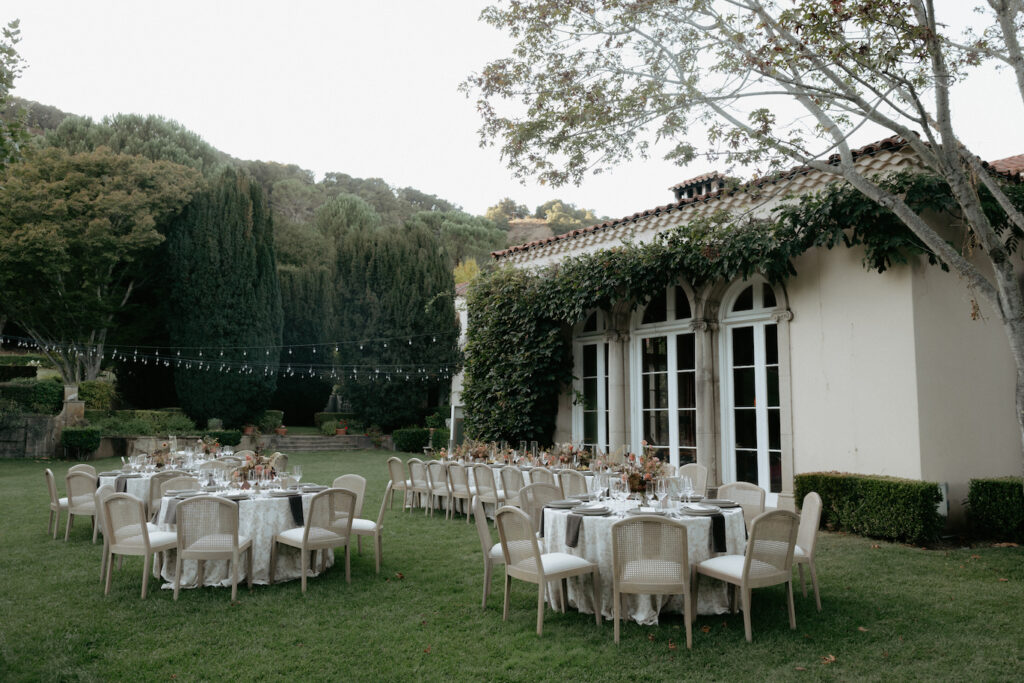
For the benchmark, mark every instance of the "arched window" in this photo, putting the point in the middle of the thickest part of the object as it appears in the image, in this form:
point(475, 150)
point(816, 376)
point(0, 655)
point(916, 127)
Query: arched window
point(664, 350)
point(590, 406)
point(751, 410)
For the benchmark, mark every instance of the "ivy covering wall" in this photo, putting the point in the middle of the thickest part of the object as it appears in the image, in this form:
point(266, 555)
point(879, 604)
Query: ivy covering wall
point(519, 342)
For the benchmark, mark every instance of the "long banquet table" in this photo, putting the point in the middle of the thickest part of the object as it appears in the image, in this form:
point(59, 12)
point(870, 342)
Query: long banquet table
point(260, 517)
point(595, 544)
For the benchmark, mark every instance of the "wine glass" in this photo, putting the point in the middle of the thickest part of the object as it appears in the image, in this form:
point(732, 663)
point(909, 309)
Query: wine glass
point(688, 490)
point(297, 473)
point(660, 490)
point(620, 492)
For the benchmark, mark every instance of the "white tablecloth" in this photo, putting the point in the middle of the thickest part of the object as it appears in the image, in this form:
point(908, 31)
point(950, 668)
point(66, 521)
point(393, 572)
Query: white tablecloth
point(259, 518)
point(138, 485)
point(595, 544)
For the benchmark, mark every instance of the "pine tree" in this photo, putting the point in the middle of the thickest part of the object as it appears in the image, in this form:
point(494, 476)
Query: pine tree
point(225, 303)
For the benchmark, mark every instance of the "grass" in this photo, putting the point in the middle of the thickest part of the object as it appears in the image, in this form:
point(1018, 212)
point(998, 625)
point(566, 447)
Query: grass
point(890, 612)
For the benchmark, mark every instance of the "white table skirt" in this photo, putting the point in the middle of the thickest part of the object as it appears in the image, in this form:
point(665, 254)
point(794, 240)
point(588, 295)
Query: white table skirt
point(261, 519)
point(137, 486)
point(595, 545)
point(489, 508)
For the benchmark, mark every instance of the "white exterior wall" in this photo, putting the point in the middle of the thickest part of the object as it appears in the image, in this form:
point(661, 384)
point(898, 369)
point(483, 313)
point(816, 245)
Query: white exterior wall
point(854, 376)
point(966, 379)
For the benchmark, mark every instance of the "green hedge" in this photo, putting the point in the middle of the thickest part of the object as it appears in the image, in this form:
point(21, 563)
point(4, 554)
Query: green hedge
point(411, 440)
point(440, 439)
point(328, 428)
point(43, 397)
point(97, 394)
point(882, 507)
point(9, 372)
point(225, 437)
point(24, 359)
point(996, 508)
point(139, 422)
point(80, 441)
point(320, 418)
point(271, 420)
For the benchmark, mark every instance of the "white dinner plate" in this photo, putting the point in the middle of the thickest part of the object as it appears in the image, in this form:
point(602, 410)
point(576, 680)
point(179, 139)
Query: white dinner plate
point(564, 504)
point(178, 492)
point(721, 502)
point(646, 511)
point(313, 488)
point(599, 511)
point(698, 509)
point(278, 493)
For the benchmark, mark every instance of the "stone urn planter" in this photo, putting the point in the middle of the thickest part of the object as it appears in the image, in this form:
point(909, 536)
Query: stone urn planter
point(281, 431)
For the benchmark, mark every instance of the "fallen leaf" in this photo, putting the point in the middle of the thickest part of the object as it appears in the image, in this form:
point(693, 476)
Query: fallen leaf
point(423, 623)
point(650, 637)
point(399, 575)
point(828, 659)
point(875, 546)
point(801, 668)
point(705, 629)
point(885, 653)
point(1004, 579)
point(862, 629)
point(428, 649)
point(975, 557)
point(671, 645)
point(1005, 545)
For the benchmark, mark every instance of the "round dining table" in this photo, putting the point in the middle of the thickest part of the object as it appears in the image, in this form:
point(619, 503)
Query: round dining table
point(260, 516)
point(594, 543)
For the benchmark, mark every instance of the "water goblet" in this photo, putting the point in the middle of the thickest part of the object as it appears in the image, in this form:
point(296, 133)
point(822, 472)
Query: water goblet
point(297, 473)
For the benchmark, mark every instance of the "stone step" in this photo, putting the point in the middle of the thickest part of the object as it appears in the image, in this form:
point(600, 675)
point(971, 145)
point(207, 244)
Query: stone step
point(345, 442)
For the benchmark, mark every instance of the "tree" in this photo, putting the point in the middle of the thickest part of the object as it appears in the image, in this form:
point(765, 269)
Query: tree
point(767, 83)
point(74, 229)
point(12, 129)
point(504, 211)
point(462, 236)
point(153, 137)
point(466, 271)
point(225, 302)
point(564, 216)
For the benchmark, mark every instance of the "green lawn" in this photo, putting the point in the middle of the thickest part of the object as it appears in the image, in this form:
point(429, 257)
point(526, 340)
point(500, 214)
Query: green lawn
point(890, 612)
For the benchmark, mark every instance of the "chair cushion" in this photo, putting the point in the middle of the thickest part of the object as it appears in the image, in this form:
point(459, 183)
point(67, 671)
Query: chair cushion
point(798, 552)
point(495, 553)
point(217, 543)
point(360, 526)
point(555, 563)
point(723, 565)
point(316, 535)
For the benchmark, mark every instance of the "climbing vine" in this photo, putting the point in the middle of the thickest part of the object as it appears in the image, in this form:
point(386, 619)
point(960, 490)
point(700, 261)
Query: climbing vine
point(519, 341)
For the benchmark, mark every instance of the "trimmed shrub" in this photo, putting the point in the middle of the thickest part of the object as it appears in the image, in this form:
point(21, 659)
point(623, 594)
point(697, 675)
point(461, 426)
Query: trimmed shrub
point(42, 397)
point(9, 372)
point(328, 428)
point(225, 437)
point(139, 422)
point(25, 359)
point(98, 395)
point(877, 506)
point(996, 508)
point(271, 420)
point(440, 439)
point(320, 418)
point(80, 442)
point(411, 440)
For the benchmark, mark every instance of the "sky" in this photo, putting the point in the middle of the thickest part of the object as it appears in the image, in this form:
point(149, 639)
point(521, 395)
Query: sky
point(363, 87)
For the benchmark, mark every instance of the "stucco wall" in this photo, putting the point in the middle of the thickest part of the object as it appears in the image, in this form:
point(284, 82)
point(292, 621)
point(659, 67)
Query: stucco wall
point(854, 385)
point(966, 378)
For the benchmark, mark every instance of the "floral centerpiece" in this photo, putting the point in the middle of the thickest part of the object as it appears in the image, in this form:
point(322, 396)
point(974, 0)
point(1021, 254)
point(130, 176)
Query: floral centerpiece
point(642, 470)
point(258, 464)
point(208, 445)
point(162, 455)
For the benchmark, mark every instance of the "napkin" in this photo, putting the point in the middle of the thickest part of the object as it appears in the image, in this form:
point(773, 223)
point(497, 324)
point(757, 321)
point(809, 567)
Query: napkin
point(572, 529)
point(120, 484)
point(295, 503)
point(718, 532)
point(172, 511)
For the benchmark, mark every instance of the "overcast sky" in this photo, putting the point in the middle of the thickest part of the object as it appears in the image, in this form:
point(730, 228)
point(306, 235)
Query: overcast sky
point(364, 87)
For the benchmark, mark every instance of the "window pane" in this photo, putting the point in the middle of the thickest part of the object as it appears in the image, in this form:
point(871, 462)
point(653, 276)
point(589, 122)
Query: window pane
point(590, 427)
point(772, 375)
point(746, 466)
point(655, 354)
point(688, 428)
point(775, 471)
point(682, 305)
point(743, 388)
point(746, 428)
point(590, 393)
point(774, 429)
point(769, 296)
point(655, 311)
point(771, 344)
point(745, 301)
point(687, 390)
point(590, 360)
point(656, 427)
point(687, 455)
point(685, 355)
point(742, 346)
point(655, 388)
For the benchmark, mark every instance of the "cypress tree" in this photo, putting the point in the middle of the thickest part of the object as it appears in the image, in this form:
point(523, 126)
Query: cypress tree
point(225, 302)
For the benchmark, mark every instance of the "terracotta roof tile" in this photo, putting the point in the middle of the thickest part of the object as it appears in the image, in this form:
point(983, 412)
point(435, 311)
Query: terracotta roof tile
point(894, 142)
point(1011, 167)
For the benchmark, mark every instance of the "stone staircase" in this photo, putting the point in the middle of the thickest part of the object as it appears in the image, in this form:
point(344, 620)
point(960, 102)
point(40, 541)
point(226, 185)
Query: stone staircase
point(293, 444)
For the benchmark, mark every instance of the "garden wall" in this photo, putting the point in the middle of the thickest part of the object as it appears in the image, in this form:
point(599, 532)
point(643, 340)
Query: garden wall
point(27, 436)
